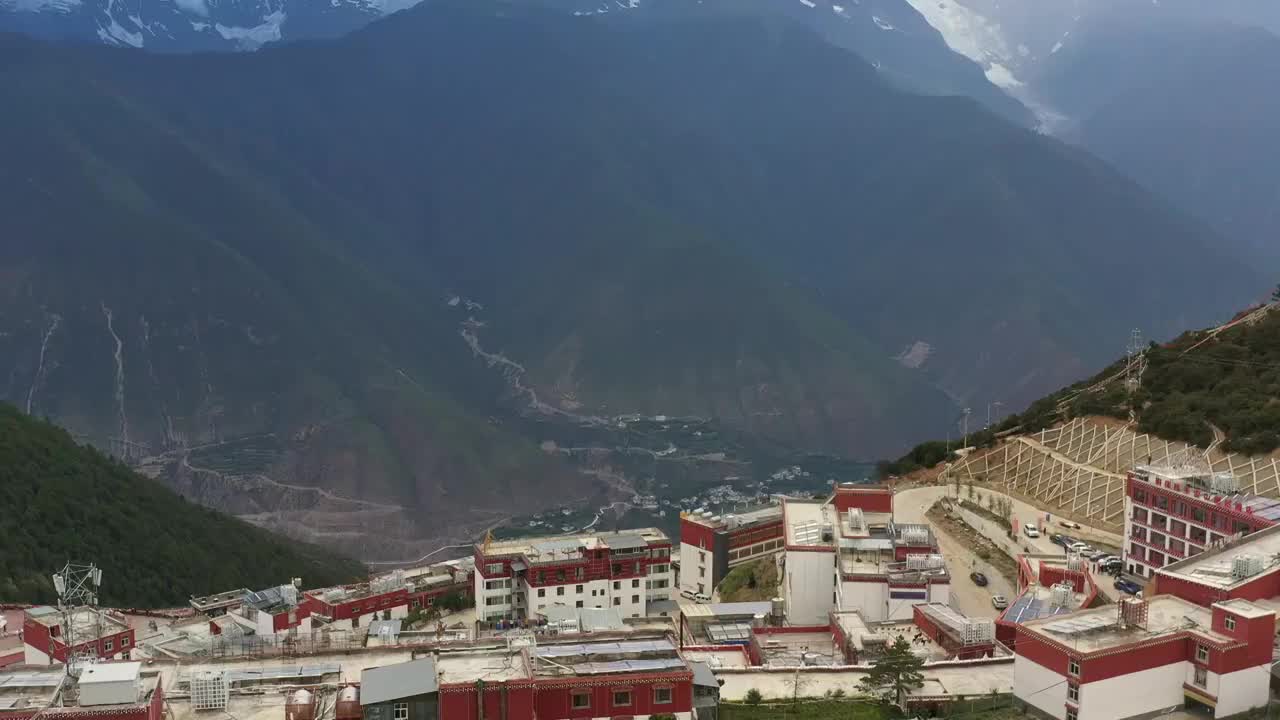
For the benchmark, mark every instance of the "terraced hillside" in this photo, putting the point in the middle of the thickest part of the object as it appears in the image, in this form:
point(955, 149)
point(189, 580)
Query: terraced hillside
point(1208, 399)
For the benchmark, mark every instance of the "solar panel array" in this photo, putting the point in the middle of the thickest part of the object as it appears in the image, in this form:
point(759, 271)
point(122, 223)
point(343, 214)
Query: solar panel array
point(806, 533)
point(617, 666)
point(611, 648)
point(283, 672)
point(30, 680)
point(729, 632)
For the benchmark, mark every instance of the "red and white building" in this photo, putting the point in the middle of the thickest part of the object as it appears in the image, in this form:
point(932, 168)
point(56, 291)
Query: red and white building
point(712, 545)
point(1202, 636)
point(387, 597)
point(274, 611)
point(1146, 656)
point(848, 554)
point(626, 571)
point(94, 632)
point(1172, 514)
point(632, 678)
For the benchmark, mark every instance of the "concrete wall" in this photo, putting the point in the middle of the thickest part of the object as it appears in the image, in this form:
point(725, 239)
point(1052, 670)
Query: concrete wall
point(1122, 696)
point(1241, 690)
point(808, 586)
point(868, 598)
point(696, 569)
point(1040, 687)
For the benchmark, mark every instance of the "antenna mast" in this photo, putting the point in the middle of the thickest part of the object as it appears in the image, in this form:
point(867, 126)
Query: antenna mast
point(77, 587)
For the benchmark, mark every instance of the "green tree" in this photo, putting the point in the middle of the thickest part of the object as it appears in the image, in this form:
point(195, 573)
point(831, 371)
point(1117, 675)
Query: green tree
point(753, 697)
point(895, 673)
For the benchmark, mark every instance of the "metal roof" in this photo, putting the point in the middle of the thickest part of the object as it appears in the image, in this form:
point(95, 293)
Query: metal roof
point(110, 672)
point(392, 682)
point(625, 542)
point(703, 676)
point(388, 629)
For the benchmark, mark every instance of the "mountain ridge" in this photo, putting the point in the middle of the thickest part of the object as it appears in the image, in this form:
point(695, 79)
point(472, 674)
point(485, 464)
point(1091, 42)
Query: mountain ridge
point(156, 549)
point(286, 268)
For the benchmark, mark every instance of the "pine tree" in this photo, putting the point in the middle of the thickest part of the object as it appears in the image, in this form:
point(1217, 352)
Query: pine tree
point(895, 673)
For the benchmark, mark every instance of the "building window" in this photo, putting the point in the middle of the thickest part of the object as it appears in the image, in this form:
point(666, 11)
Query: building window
point(1073, 714)
point(581, 700)
point(1073, 693)
point(702, 572)
point(108, 645)
point(400, 711)
point(1202, 653)
point(621, 698)
point(578, 573)
point(1201, 677)
point(1230, 622)
point(1073, 668)
point(635, 583)
point(635, 599)
point(493, 569)
point(579, 603)
point(542, 592)
point(578, 589)
point(617, 585)
point(661, 696)
point(638, 566)
point(124, 641)
point(560, 590)
point(1198, 514)
point(617, 601)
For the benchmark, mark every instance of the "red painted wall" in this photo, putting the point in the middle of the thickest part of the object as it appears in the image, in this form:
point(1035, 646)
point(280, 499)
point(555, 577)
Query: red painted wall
point(751, 535)
point(555, 700)
point(696, 534)
point(36, 635)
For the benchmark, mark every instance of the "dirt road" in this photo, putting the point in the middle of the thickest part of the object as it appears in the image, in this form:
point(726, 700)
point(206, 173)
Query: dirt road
point(910, 506)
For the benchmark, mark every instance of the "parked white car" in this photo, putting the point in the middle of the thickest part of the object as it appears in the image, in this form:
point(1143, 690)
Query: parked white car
point(1030, 530)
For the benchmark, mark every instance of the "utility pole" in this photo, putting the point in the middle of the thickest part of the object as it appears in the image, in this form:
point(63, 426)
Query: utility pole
point(966, 428)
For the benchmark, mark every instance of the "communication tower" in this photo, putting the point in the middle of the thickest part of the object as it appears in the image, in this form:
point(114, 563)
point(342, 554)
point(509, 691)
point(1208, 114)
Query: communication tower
point(77, 587)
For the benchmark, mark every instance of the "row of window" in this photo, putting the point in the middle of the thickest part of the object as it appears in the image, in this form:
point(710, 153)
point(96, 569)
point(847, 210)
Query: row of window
point(621, 698)
point(1193, 512)
point(578, 589)
point(108, 645)
point(746, 552)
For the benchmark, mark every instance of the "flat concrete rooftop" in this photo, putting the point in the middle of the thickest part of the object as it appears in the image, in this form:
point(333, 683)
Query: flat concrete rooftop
point(805, 521)
point(1213, 567)
point(1097, 628)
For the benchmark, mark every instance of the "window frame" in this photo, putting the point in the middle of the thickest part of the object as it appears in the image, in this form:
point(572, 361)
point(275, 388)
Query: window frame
point(1202, 653)
point(614, 696)
point(1073, 667)
point(573, 699)
point(1229, 622)
point(670, 696)
point(396, 709)
point(1073, 693)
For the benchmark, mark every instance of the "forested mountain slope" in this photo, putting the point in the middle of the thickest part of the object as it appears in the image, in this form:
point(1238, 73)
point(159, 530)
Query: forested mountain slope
point(68, 502)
